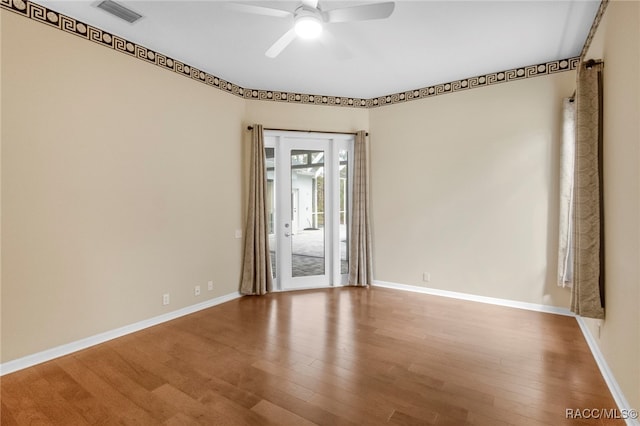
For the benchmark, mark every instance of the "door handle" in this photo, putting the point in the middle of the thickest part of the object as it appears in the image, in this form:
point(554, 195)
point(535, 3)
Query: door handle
point(286, 234)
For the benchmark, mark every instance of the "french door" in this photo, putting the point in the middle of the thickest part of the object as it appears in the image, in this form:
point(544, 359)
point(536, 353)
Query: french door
point(308, 204)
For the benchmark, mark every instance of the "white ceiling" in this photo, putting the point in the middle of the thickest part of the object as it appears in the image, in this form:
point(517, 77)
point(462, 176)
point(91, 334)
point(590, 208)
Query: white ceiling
point(421, 44)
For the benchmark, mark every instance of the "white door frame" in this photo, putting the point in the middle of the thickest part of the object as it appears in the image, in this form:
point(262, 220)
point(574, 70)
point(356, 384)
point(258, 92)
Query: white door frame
point(283, 142)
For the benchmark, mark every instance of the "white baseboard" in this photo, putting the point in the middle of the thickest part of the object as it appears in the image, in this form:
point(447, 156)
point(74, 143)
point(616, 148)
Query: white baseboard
point(608, 376)
point(472, 297)
point(49, 354)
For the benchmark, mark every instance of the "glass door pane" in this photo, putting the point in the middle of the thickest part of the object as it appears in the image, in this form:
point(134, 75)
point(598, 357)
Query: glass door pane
point(343, 220)
point(307, 213)
point(270, 163)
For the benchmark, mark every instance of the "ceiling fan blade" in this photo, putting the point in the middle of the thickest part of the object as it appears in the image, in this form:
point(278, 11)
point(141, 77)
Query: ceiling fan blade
point(363, 12)
point(258, 10)
point(281, 43)
point(310, 3)
point(337, 48)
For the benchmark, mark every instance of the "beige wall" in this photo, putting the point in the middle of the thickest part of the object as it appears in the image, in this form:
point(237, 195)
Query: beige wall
point(120, 183)
point(617, 42)
point(464, 187)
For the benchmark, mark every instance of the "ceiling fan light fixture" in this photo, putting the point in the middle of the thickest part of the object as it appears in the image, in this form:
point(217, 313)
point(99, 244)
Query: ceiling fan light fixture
point(308, 27)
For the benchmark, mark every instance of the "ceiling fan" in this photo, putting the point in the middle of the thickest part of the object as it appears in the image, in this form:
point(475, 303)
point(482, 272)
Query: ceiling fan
point(309, 19)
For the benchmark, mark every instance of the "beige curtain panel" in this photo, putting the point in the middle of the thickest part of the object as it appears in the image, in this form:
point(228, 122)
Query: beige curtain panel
point(567, 160)
point(587, 295)
point(360, 256)
point(256, 270)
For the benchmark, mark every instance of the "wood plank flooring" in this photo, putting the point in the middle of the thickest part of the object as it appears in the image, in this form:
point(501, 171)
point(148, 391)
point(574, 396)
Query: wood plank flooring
point(346, 356)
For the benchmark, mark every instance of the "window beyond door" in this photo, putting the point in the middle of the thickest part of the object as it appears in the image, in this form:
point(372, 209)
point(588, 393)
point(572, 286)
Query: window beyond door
point(307, 213)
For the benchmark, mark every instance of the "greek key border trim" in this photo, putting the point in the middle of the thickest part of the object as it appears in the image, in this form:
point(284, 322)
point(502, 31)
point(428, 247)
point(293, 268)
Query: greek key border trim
point(594, 28)
point(70, 25)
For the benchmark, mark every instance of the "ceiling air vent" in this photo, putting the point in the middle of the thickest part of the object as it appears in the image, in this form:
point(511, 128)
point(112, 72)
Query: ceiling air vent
point(119, 10)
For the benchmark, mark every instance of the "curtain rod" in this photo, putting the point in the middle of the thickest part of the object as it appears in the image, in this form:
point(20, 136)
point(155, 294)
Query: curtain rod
point(309, 131)
point(591, 62)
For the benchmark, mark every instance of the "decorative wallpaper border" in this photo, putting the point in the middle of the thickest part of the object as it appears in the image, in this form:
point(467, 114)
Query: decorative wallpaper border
point(594, 28)
point(478, 81)
point(70, 25)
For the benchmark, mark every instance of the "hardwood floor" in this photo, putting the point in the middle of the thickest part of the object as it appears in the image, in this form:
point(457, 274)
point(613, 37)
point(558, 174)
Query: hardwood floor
point(347, 356)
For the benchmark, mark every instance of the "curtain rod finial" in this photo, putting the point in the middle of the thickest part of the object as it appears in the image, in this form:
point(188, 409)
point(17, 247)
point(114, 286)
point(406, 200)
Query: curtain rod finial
point(591, 62)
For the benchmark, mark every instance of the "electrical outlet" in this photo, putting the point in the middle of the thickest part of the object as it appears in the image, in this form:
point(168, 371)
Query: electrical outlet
point(426, 277)
point(165, 299)
point(196, 291)
point(238, 233)
point(210, 285)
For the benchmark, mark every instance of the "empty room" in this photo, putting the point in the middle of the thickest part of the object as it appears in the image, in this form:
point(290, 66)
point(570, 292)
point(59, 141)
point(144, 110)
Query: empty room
point(320, 212)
